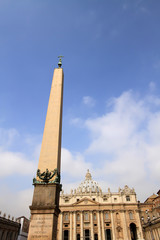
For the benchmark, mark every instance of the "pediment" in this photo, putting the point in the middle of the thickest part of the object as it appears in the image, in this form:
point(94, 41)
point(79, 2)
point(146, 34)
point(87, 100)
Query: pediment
point(85, 201)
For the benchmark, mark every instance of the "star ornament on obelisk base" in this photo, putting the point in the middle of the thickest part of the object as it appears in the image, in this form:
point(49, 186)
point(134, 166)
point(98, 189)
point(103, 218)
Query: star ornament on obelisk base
point(45, 203)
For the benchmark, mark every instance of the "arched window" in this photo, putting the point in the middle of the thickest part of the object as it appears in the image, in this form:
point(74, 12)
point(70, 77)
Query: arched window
point(133, 231)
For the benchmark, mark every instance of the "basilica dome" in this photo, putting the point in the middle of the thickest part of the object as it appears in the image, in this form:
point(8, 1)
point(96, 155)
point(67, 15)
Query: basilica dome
point(88, 185)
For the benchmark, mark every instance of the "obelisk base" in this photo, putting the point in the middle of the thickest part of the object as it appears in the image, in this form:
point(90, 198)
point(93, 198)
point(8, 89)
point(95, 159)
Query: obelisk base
point(44, 212)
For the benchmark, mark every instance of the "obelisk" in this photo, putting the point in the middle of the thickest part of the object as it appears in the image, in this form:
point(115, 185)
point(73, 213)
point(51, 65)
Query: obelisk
point(45, 203)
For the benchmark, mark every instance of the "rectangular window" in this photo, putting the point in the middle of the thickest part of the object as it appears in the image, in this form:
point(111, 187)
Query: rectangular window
point(108, 234)
point(66, 217)
point(131, 215)
point(106, 216)
point(87, 234)
point(86, 217)
point(66, 235)
point(78, 217)
point(78, 236)
point(127, 198)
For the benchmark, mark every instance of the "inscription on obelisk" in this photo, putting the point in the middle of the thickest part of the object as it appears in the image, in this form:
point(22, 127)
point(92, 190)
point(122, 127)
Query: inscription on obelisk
point(41, 226)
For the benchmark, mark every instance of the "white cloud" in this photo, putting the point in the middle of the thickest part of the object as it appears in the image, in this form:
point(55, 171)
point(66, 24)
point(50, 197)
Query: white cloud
point(7, 136)
point(73, 164)
point(16, 203)
point(15, 163)
point(112, 130)
point(129, 139)
point(76, 121)
point(89, 101)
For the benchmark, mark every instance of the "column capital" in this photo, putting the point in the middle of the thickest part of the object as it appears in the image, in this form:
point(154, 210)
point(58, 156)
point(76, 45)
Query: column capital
point(122, 210)
point(136, 210)
point(112, 210)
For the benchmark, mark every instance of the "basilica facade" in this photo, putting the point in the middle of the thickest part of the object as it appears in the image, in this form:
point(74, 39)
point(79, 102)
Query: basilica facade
point(90, 214)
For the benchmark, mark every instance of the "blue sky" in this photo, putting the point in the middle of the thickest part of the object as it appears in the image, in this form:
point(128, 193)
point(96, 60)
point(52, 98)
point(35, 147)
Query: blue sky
point(111, 108)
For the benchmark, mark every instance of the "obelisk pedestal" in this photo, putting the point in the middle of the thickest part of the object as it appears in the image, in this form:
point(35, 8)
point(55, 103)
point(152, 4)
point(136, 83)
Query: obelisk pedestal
point(45, 203)
point(44, 212)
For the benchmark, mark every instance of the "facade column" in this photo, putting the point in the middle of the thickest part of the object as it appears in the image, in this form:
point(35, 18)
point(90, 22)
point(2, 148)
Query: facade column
point(71, 227)
point(61, 226)
point(102, 220)
point(82, 225)
point(74, 224)
point(1, 233)
point(140, 233)
point(125, 227)
point(155, 233)
point(99, 225)
point(5, 235)
point(158, 234)
point(113, 226)
point(92, 233)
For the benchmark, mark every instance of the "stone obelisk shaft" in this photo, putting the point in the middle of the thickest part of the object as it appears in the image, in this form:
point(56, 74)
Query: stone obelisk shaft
point(45, 203)
point(51, 144)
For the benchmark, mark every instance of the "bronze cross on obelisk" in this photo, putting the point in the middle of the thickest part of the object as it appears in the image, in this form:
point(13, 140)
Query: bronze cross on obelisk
point(60, 61)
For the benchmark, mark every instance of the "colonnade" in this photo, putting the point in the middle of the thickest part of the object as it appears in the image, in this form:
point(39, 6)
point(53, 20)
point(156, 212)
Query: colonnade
point(8, 235)
point(152, 233)
point(74, 229)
